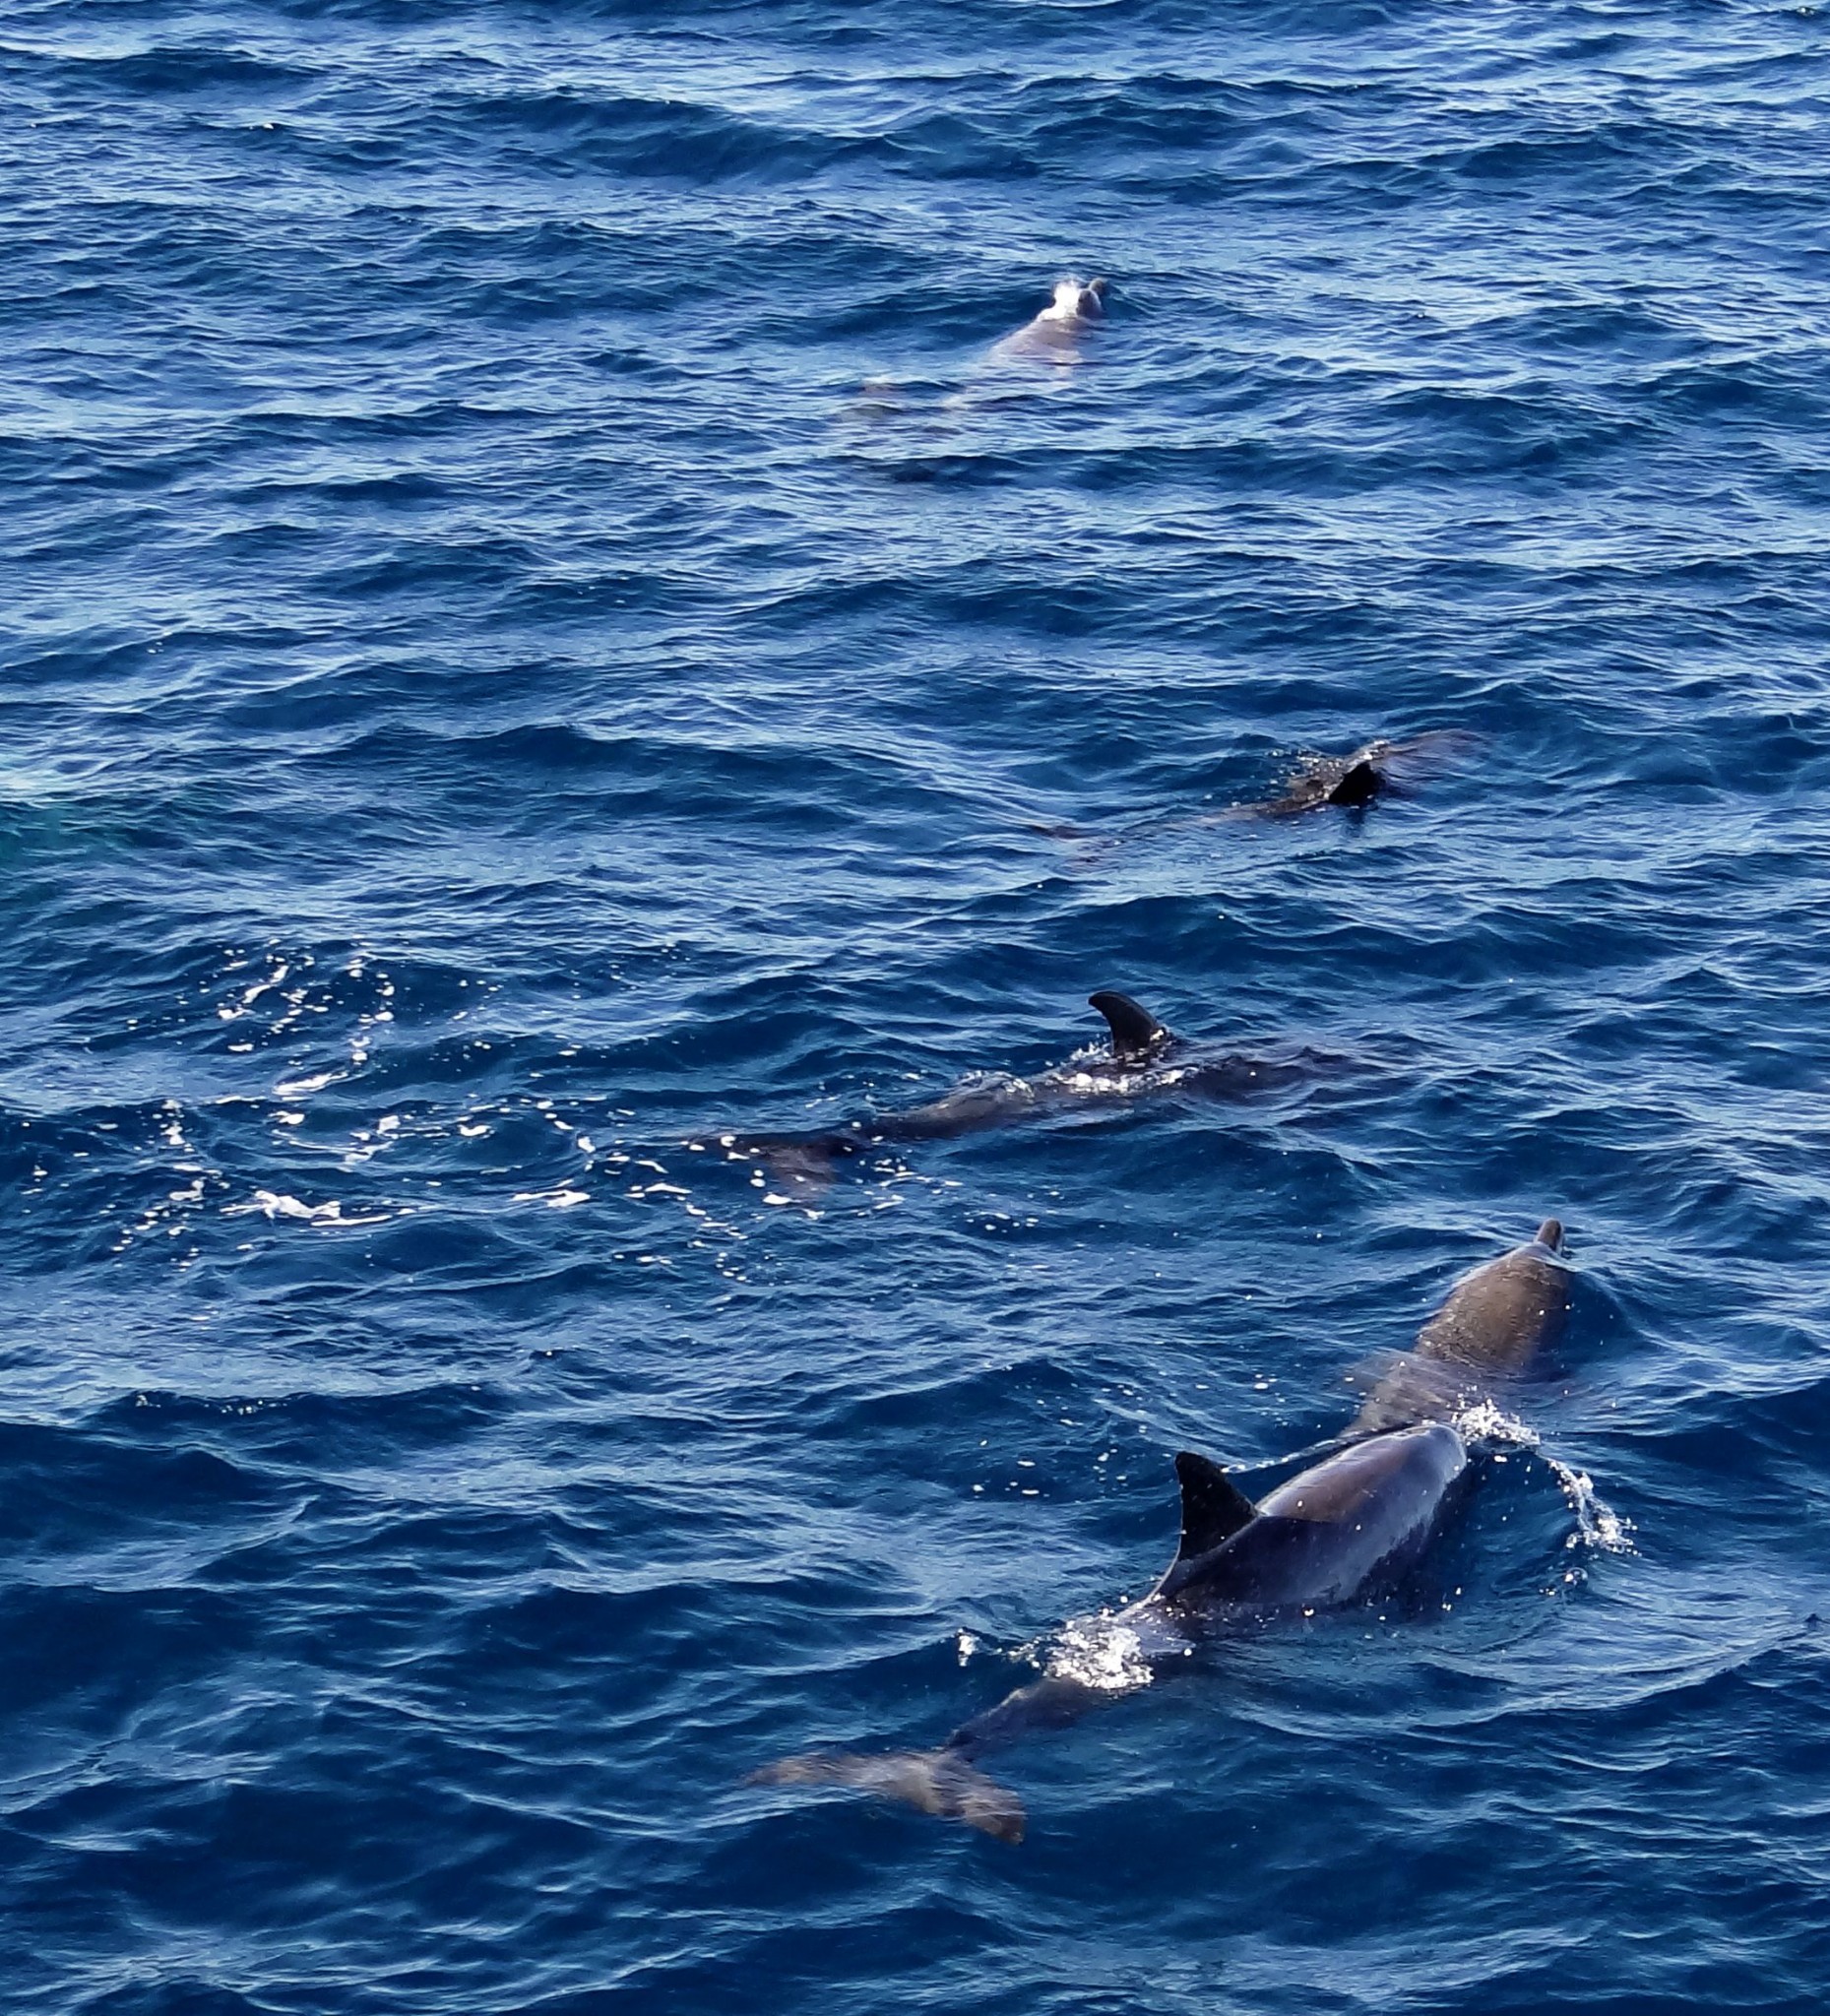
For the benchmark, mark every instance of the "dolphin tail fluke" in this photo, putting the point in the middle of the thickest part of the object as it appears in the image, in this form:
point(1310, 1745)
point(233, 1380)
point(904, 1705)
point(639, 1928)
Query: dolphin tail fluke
point(942, 1782)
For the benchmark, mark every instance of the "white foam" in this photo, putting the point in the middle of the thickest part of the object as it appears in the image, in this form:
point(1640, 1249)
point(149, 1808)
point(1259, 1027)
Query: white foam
point(1485, 1422)
point(276, 1204)
point(234, 1009)
point(300, 1088)
point(1100, 1652)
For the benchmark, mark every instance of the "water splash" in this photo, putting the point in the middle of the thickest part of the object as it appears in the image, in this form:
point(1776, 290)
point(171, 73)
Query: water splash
point(1597, 1523)
point(1100, 1652)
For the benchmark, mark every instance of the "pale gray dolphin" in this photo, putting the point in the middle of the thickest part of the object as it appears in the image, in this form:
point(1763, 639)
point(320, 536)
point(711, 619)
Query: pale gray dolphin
point(1342, 1532)
point(1054, 335)
point(1004, 373)
point(1145, 1061)
point(1496, 1320)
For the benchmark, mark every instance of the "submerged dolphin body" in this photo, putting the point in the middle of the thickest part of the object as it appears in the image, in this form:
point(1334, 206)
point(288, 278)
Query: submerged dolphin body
point(1496, 1322)
point(1341, 1532)
point(1145, 1061)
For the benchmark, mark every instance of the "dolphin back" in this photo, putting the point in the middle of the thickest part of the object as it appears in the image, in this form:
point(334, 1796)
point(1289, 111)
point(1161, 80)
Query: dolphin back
point(804, 1165)
point(1374, 768)
point(1492, 1326)
point(1335, 1533)
point(1497, 1318)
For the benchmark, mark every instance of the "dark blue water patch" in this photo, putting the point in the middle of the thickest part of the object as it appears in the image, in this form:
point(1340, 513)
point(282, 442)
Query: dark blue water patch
point(184, 72)
point(649, 140)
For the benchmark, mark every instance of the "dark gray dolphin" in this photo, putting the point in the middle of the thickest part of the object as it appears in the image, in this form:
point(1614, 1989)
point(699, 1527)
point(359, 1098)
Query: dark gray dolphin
point(1496, 1320)
point(1341, 1532)
point(1145, 1061)
point(1374, 770)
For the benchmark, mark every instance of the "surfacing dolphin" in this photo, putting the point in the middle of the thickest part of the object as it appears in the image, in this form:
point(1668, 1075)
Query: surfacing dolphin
point(1376, 769)
point(1054, 335)
point(1342, 1532)
point(1496, 1320)
point(1145, 1061)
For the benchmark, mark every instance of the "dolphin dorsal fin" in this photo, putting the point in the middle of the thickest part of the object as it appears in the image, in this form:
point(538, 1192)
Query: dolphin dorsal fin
point(1135, 1031)
point(1214, 1508)
point(1360, 784)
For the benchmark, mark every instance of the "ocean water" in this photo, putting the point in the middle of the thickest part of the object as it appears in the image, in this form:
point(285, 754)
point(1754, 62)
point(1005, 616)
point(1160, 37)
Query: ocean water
point(536, 629)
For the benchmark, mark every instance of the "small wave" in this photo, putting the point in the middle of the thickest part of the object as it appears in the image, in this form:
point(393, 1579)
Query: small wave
point(184, 71)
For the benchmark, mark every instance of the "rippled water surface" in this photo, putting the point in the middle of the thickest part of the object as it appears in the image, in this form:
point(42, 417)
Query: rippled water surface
point(538, 630)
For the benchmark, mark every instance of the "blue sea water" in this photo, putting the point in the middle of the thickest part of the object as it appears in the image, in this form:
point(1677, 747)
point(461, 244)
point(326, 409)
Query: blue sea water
point(535, 628)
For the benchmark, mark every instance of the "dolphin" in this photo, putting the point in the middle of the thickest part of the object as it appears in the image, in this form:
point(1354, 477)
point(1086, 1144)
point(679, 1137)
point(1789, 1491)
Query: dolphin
point(1496, 1320)
point(1145, 1061)
point(1054, 335)
point(1342, 1532)
point(1051, 338)
point(1374, 770)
